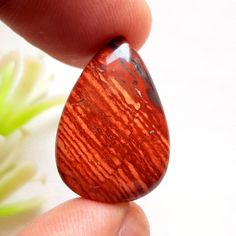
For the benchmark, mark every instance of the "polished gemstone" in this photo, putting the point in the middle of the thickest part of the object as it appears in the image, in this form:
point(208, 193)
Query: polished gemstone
point(112, 141)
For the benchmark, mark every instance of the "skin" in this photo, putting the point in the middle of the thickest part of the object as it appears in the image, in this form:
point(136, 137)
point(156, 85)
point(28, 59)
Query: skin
point(73, 31)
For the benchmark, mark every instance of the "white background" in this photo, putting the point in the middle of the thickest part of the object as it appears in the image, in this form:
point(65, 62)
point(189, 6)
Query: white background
point(191, 55)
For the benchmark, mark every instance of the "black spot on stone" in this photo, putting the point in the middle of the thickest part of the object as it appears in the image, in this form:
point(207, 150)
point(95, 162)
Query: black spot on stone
point(141, 70)
point(81, 101)
point(152, 94)
point(115, 43)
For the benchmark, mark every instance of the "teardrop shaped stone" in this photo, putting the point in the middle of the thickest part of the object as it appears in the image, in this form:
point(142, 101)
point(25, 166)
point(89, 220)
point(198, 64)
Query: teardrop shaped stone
point(112, 141)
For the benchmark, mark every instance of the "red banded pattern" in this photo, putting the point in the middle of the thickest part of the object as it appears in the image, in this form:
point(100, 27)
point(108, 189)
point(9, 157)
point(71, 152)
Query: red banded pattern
point(112, 141)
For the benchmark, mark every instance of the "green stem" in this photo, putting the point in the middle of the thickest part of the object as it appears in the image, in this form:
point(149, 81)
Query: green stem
point(6, 75)
point(16, 208)
point(30, 76)
point(6, 165)
point(16, 178)
point(28, 113)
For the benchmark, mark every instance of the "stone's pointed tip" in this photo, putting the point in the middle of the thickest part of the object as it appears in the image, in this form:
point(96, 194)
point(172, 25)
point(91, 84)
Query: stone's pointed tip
point(113, 146)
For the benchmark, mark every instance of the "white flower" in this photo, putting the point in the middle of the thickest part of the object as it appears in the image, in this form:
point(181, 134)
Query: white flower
point(23, 95)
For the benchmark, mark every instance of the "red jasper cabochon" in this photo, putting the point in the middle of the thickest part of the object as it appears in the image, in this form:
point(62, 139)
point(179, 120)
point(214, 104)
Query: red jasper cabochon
point(112, 141)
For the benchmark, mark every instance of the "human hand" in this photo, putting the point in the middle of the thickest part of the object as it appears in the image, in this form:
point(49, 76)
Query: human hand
point(90, 218)
point(72, 31)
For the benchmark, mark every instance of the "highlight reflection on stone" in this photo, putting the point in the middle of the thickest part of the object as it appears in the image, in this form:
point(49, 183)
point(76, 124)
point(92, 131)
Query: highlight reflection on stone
point(112, 142)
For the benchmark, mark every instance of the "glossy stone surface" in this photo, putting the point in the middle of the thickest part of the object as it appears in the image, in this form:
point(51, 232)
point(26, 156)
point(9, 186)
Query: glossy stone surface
point(112, 142)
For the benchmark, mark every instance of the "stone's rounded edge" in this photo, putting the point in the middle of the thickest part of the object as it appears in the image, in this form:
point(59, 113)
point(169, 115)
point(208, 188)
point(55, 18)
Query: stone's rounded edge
point(142, 70)
point(153, 96)
point(113, 45)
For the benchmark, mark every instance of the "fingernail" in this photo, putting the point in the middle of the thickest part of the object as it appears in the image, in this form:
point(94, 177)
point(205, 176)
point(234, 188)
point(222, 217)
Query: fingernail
point(135, 223)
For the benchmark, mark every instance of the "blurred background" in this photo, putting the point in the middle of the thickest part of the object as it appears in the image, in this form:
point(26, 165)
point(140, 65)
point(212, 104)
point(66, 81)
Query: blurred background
point(191, 55)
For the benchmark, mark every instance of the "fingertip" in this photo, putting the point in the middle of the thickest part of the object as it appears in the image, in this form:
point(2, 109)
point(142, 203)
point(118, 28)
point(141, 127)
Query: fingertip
point(85, 217)
point(73, 31)
point(140, 31)
point(135, 223)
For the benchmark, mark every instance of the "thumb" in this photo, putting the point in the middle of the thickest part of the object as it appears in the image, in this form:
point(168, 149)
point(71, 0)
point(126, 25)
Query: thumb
point(88, 218)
